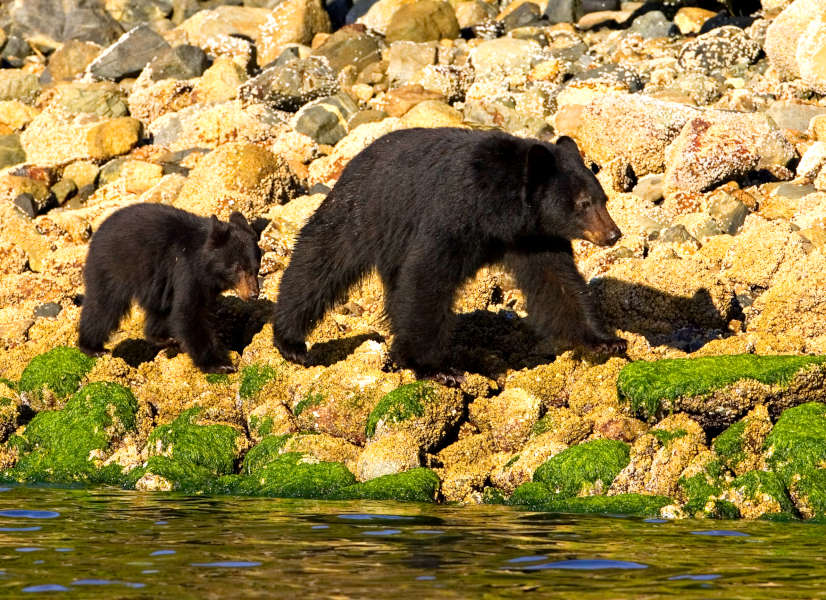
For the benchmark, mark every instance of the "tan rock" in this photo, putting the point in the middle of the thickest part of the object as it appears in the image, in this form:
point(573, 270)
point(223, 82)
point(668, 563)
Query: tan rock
point(15, 115)
point(433, 113)
point(379, 16)
point(237, 176)
point(82, 172)
point(394, 452)
point(526, 461)
point(423, 21)
point(291, 21)
point(811, 53)
point(784, 33)
point(509, 417)
point(71, 59)
point(690, 19)
point(220, 82)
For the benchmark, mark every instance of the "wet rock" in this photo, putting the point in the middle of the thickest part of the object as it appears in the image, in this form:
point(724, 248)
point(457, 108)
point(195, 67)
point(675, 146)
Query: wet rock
point(719, 49)
point(351, 45)
point(713, 149)
point(179, 62)
point(291, 21)
point(129, 55)
point(784, 33)
point(653, 24)
point(49, 310)
point(423, 21)
point(758, 493)
point(11, 152)
point(405, 59)
point(326, 120)
point(729, 213)
point(400, 100)
point(57, 138)
point(291, 85)
point(509, 417)
point(690, 19)
point(740, 447)
point(237, 176)
point(220, 82)
point(468, 464)
point(71, 59)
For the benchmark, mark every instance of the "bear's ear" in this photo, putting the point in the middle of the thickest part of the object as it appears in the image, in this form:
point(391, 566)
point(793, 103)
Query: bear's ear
point(236, 218)
point(568, 145)
point(218, 232)
point(540, 164)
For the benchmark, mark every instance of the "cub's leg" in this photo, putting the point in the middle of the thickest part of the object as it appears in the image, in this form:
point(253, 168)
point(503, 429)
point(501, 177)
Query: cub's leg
point(104, 305)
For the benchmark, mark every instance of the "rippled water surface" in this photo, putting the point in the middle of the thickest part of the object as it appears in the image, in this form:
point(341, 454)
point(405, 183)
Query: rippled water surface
point(114, 544)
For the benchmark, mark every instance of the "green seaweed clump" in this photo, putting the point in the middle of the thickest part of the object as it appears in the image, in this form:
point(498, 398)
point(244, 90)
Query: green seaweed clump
point(213, 447)
point(68, 445)
point(403, 403)
point(665, 437)
point(416, 485)
point(537, 497)
point(755, 484)
point(796, 451)
point(263, 453)
point(307, 401)
point(59, 370)
point(292, 475)
point(253, 379)
point(576, 471)
point(702, 491)
point(729, 445)
point(646, 385)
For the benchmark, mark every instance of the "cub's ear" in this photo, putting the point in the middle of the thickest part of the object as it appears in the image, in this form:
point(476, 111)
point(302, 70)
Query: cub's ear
point(218, 232)
point(236, 218)
point(567, 144)
point(540, 164)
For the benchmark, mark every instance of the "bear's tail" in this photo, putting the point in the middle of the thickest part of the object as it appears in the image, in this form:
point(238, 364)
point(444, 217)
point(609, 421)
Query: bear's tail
point(327, 260)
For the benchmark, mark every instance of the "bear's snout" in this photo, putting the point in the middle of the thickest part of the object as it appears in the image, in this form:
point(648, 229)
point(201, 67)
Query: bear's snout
point(599, 228)
point(247, 286)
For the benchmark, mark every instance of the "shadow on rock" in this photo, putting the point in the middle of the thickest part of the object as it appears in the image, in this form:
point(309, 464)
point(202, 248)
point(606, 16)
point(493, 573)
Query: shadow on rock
point(327, 353)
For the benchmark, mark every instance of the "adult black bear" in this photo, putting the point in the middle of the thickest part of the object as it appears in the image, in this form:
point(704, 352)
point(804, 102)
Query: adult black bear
point(174, 264)
point(428, 208)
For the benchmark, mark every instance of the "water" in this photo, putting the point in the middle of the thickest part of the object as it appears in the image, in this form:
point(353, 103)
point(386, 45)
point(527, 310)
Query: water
point(115, 544)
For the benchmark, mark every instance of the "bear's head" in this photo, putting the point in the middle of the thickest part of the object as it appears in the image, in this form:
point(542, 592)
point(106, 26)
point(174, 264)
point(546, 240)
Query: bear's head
point(233, 256)
point(570, 200)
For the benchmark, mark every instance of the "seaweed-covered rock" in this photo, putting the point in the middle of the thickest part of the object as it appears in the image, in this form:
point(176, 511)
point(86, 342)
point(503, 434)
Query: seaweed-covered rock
point(536, 497)
point(415, 485)
point(701, 487)
point(796, 451)
point(758, 493)
point(740, 447)
point(716, 390)
point(53, 376)
point(294, 475)
point(583, 470)
point(521, 467)
point(72, 444)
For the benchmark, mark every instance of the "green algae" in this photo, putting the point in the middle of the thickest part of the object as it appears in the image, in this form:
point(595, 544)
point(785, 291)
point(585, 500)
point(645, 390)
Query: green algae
point(213, 447)
point(405, 402)
point(217, 378)
point(492, 495)
point(648, 385)
point(810, 490)
point(260, 426)
point(579, 468)
point(292, 475)
point(797, 442)
point(307, 401)
point(263, 453)
point(536, 496)
point(755, 484)
point(59, 370)
point(416, 485)
point(729, 445)
point(665, 437)
point(254, 378)
point(59, 445)
point(702, 488)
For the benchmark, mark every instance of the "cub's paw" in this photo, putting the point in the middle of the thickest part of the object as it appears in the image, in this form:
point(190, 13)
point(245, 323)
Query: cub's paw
point(449, 378)
point(168, 342)
point(607, 346)
point(96, 352)
point(293, 351)
point(220, 369)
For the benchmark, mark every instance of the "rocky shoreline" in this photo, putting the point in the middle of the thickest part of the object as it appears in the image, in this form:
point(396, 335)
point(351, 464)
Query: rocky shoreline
point(708, 132)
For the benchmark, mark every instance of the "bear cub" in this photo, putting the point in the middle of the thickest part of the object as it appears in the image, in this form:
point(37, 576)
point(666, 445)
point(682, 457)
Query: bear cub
point(427, 208)
point(174, 264)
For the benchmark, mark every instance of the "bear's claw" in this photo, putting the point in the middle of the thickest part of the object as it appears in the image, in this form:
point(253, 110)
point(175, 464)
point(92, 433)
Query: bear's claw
point(220, 369)
point(449, 378)
point(609, 346)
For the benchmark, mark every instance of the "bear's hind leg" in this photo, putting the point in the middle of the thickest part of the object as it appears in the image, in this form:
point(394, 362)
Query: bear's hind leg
point(559, 301)
point(156, 328)
point(103, 308)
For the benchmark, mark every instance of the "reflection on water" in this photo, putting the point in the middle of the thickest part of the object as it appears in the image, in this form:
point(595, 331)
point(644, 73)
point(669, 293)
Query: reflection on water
point(115, 544)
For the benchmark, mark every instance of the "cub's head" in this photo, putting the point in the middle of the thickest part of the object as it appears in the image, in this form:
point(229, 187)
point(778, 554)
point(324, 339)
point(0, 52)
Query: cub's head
point(569, 198)
point(233, 255)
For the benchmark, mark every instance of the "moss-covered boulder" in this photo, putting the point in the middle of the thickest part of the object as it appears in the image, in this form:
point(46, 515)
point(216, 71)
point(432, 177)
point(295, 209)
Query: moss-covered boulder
point(52, 376)
point(295, 475)
point(796, 451)
point(416, 485)
point(716, 390)
point(758, 493)
point(253, 379)
point(72, 444)
point(9, 415)
point(536, 496)
point(740, 447)
point(583, 470)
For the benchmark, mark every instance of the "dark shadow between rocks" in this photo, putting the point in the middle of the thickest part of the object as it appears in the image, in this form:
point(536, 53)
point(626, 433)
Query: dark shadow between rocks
point(327, 353)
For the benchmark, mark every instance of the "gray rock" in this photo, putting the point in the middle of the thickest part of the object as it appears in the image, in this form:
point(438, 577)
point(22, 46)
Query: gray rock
point(11, 152)
point(564, 11)
point(699, 225)
point(793, 191)
point(489, 29)
point(110, 171)
point(350, 46)
point(129, 55)
point(613, 74)
point(589, 6)
point(525, 15)
point(718, 50)
point(92, 24)
point(180, 62)
point(30, 206)
point(405, 59)
point(290, 86)
point(47, 310)
point(701, 88)
point(365, 116)
point(793, 115)
point(18, 85)
point(15, 51)
point(63, 190)
point(652, 25)
point(100, 98)
point(728, 212)
point(650, 187)
point(136, 12)
point(648, 226)
point(326, 120)
point(676, 234)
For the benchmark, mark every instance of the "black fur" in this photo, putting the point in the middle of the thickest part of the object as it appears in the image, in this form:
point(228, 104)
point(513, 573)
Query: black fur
point(428, 208)
point(174, 264)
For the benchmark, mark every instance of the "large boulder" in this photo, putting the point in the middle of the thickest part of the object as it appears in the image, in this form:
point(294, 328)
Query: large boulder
point(786, 31)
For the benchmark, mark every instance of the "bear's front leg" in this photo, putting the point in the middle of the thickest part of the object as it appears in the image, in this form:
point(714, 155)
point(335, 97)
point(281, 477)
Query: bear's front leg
point(559, 301)
point(190, 322)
